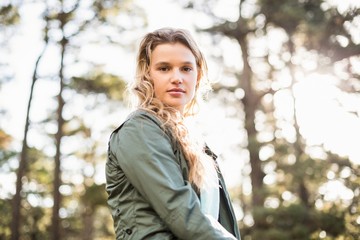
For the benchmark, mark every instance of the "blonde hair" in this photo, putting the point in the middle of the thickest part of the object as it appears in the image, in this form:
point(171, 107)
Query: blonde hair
point(171, 119)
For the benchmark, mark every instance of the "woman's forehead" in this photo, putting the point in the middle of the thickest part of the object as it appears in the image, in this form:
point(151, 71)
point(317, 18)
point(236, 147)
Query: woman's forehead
point(169, 52)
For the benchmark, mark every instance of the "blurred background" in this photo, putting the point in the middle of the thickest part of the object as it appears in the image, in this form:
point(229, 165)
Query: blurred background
point(283, 116)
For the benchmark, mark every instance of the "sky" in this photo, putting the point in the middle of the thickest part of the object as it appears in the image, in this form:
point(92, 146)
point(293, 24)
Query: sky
point(319, 114)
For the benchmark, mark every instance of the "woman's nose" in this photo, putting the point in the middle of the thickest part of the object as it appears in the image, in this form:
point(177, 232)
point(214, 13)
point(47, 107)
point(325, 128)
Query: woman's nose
point(177, 77)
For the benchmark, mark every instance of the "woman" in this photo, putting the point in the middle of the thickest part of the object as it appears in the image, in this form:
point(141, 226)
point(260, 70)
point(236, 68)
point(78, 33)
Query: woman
point(162, 184)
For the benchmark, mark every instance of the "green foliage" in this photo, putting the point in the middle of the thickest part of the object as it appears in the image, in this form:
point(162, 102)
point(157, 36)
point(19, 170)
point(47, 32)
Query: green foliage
point(295, 221)
point(95, 196)
point(36, 223)
point(332, 222)
point(5, 219)
point(290, 14)
point(110, 85)
point(5, 152)
point(314, 26)
point(9, 15)
point(271, 234)
point(39, 170)
point(68, 25)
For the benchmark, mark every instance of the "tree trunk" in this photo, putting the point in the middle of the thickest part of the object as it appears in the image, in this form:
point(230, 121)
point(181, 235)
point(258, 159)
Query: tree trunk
point(88, 230)
point(298, 145)
point(250, 102)
point(16, 202)
point(56, 223)
point(239, 31)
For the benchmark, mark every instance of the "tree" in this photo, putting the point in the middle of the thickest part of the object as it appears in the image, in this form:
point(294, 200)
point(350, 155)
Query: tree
point(10, 16)
point(64, 17)
point(65, 28)
point(284, 171)
point(16, 216)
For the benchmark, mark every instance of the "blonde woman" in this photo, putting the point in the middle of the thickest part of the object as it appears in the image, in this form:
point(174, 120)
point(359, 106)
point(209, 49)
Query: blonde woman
point(162, 184)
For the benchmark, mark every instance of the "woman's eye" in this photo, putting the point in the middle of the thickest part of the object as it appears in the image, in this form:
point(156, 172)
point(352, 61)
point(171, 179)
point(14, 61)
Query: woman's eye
point(163, 69)
point(187, 69)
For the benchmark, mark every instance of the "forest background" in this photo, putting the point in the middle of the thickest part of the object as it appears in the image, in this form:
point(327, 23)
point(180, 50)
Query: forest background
point(283, 116)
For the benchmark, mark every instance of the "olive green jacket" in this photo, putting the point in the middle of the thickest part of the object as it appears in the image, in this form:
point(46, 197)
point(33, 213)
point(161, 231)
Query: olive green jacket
point(150, 196)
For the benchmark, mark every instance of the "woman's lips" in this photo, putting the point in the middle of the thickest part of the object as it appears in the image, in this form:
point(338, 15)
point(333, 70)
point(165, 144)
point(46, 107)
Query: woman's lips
point(176, 90)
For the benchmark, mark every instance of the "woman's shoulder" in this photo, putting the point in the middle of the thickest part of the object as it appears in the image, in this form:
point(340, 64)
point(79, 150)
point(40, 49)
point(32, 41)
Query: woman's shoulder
point(138, 119)
point(138, 114)
point(140, 124)
point(142, 117)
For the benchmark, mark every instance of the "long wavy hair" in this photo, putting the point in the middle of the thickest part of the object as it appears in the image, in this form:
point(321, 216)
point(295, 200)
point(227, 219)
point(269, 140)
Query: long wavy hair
point(172, 120)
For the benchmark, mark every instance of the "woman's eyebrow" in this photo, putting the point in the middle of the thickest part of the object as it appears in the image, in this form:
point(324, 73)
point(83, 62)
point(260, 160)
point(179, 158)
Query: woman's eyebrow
point(161, 63)
point(188, 63)
point(167, 63)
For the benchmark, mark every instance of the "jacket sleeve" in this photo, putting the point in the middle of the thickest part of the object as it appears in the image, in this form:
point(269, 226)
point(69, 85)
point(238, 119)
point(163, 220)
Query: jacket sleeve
point(144, 153)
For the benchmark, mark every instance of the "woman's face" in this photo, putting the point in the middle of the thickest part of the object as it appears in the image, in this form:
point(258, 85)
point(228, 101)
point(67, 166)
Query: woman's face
point(174, 73)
